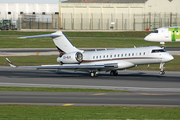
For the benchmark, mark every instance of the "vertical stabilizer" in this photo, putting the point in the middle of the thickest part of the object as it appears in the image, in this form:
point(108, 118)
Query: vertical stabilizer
point(62, 43)
point(60, 40)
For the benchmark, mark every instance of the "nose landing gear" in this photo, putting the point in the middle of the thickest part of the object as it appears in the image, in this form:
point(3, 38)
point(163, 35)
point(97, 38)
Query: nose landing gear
point(162, 67)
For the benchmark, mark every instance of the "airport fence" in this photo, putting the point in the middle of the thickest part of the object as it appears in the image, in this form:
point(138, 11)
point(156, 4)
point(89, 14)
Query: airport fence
point(70, 21)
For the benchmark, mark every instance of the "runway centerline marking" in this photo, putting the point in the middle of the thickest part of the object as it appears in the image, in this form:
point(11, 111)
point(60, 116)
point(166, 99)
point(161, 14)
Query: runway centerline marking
point(99, 94)
point(68, 104)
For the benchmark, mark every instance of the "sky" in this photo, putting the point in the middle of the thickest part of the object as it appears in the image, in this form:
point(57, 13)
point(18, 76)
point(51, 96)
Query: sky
point(31, 1)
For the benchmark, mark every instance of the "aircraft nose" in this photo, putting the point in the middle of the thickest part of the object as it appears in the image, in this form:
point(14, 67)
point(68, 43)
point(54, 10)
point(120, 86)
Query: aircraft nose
point(147, 37)
point(171, 57)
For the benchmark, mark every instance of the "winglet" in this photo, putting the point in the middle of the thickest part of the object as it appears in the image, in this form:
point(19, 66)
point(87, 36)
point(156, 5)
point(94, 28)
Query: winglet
point(10, 63)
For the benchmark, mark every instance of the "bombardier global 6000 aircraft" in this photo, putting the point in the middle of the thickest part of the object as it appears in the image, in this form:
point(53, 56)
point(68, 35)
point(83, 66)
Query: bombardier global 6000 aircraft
point(164, 34)
point(93, 62)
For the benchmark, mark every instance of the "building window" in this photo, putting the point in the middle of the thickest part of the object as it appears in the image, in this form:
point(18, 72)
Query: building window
point(34, 13)
point(57, 13)
point(43, 13)
point(21, 13)
point(9, 13)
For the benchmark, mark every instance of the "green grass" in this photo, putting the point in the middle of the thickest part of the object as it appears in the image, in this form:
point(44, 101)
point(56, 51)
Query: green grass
point(49, 60)
point(15, 42)
point(82, 34)
point(39, 89)
point(96, 40)
point(28, 112)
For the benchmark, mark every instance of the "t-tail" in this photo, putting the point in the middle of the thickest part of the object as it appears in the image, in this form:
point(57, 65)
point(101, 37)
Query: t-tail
point(60, 40)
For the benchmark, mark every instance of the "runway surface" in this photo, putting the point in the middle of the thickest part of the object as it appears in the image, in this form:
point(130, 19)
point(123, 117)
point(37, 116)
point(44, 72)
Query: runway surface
point(147, 88)
point(91, 99)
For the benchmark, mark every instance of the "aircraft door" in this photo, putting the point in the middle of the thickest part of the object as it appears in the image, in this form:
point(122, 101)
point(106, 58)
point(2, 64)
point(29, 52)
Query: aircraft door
point(166, 32)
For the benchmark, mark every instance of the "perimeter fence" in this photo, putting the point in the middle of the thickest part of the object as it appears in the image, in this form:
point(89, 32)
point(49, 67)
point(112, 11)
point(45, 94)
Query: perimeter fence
point(70, 21)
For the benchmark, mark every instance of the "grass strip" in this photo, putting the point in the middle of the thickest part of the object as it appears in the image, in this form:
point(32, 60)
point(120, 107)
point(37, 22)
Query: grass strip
point(15, 42)
point(82, 34)
point(26, 112)
point(50, 60)
point(39, 89)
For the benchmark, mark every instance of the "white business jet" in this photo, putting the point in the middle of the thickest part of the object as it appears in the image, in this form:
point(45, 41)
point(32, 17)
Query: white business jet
point(164, 34)
point(93, 62)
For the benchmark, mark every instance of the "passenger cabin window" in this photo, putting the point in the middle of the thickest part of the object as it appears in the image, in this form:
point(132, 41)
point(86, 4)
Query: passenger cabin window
point(158, 50)
point(93, 57)
point(156, 31)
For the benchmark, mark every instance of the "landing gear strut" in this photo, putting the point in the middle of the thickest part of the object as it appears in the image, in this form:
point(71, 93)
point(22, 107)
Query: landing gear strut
point(113, 73)
point(162, 67)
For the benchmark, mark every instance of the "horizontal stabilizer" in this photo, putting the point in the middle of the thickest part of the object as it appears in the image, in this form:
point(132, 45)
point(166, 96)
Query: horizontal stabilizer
point(38, 36)
point(10, 63)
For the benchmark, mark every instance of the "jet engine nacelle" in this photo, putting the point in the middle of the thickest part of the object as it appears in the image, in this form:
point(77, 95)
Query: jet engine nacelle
point(71, 58)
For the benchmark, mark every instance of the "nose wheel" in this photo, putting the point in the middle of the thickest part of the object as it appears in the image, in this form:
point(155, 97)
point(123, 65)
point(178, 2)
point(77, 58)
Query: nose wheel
point(162, 69)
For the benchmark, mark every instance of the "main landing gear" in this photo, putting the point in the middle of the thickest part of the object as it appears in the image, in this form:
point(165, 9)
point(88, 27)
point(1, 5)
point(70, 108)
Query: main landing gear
point(162, 67)
point(94, 74)
point(113, 73)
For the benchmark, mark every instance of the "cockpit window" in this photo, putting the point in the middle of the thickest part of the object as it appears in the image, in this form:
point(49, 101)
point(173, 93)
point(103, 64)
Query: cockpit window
point(156, 31)
point(158, 50)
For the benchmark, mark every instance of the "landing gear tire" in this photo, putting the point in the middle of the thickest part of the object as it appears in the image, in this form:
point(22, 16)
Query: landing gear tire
point(94, 74)
point(161, 72)
point(113, 73)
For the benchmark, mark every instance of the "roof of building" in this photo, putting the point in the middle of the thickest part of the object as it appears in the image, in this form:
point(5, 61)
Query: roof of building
point(105, 1)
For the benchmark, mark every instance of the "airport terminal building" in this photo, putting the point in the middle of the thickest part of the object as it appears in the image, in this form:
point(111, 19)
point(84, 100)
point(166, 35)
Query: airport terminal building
point(94, 14)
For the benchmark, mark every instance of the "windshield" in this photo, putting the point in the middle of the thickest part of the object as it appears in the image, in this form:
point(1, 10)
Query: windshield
point(158, 50)
point(156, 31)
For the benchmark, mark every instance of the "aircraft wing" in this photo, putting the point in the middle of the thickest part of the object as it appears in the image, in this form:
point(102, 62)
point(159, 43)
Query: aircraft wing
point(69, 66)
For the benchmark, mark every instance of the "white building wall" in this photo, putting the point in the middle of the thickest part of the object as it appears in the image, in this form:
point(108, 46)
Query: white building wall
point(162, 6)
point(15, 9)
